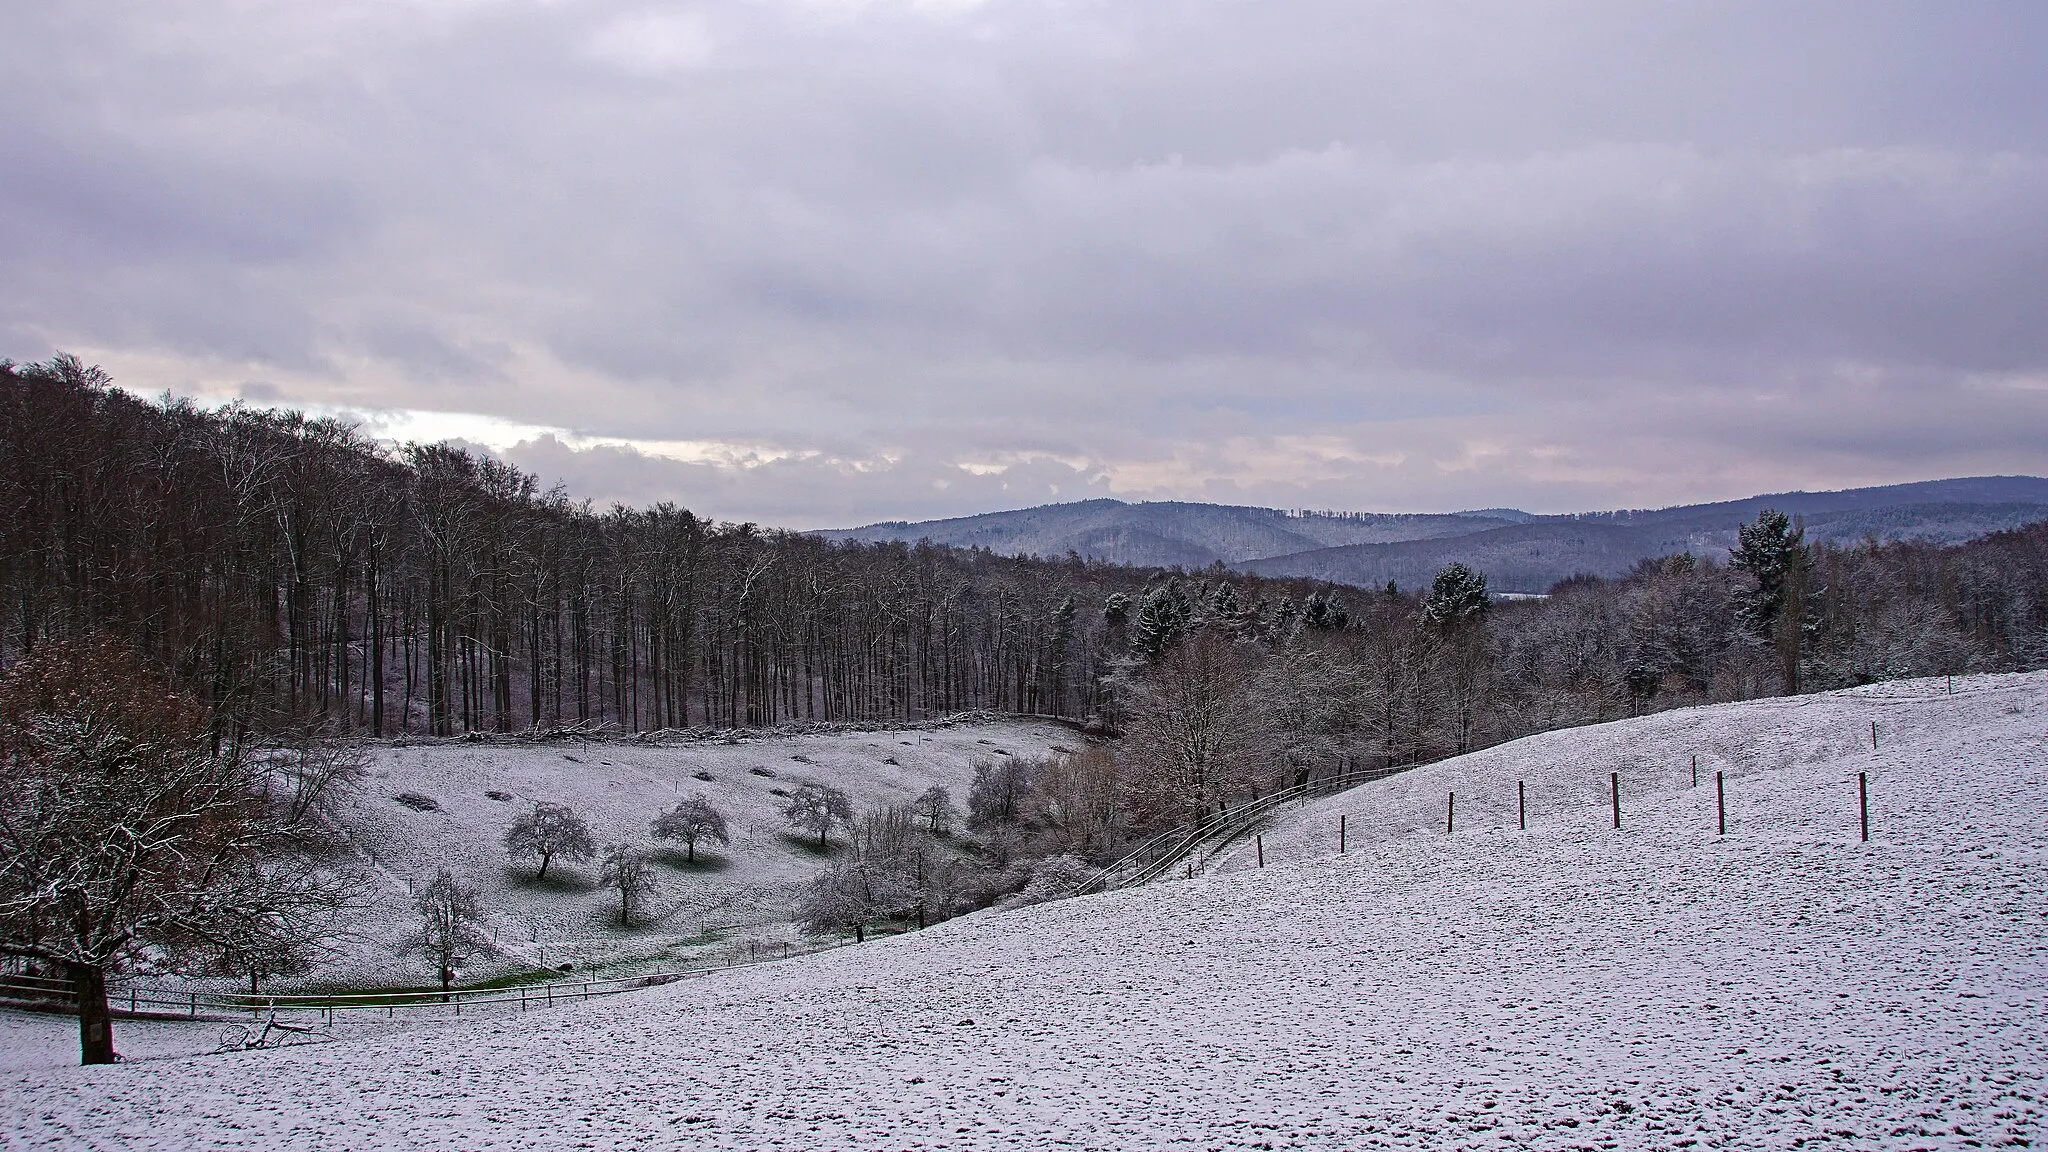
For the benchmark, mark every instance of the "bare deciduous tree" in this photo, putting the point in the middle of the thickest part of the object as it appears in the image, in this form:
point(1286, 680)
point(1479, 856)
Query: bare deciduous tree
point(690, 821)
point(550, 830)
point(1079, 798)
point(317, 770)
point(935, 807)
point(997, 793)
point(451, 925)
point(123, 830)
point(1195, 733)
point(815, 808)
point(627, 873)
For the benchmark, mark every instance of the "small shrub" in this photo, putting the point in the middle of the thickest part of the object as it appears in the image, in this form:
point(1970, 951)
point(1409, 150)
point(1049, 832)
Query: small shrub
point(495, 794)
point(417, 802)
point(700, 774)
point(762, 772)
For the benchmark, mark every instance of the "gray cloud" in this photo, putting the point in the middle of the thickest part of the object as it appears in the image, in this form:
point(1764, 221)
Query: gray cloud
point(885, 259)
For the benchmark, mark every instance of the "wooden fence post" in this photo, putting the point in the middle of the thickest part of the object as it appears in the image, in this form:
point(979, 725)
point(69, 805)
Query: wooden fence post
point(1873, 735)
point(1522, 804)
point(1720, 804)
point(1695, 771)
point(1863, 803)
point(1614, 784)
point(1260, 841)
point(1451, 813)
point(1340, 833)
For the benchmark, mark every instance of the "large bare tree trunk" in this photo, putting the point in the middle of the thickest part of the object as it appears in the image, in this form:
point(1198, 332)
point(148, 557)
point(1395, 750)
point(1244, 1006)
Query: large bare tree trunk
point(95, 1019)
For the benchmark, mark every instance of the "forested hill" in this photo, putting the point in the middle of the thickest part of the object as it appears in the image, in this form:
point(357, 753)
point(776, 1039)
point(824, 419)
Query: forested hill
point(1168, 533)
point(287, 571)
point(290, 569)
point(1518, 551)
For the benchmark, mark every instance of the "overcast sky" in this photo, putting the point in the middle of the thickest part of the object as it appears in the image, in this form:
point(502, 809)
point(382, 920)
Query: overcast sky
point(824, 262)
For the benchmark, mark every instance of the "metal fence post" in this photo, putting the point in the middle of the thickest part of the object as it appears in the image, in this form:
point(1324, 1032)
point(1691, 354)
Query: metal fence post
point(1863, 803)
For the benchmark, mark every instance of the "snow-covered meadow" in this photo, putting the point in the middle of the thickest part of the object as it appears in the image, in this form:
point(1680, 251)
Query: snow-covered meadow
point(741, 892)
point(1566, 987)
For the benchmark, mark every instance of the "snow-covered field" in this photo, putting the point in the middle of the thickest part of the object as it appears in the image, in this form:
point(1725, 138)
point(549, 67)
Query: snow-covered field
point(1568, 987)
point(746, 889)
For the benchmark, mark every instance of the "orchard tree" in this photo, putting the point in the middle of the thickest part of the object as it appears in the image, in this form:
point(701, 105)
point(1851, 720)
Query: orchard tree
point(126, 833)
point(550, 830)
point(451, 925)
point(815, 808)
point(690, 821)
point(626, 872)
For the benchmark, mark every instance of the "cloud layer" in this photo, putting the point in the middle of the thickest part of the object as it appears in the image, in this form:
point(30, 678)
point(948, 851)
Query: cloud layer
point(818, 262)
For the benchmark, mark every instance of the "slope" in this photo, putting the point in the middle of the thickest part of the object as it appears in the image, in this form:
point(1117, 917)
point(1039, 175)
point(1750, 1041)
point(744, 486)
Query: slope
point(749, 886)
point(1518, 552)
point(1569, 987)
point(1532, 556)
point(1165, 533)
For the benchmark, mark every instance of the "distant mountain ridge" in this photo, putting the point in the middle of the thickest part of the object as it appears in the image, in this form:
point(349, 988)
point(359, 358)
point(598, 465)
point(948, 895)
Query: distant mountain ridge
point(1519, 551)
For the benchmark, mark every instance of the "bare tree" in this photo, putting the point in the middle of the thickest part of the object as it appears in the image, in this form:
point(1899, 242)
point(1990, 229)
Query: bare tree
point(1195, 733)
point(997, 793)
point(853, 895)
point(1078, 798)
point(626, 871)
point(451, 925)
point(123, 831)
point(316, 770)
point(815, 808)
point(550, 830)
point(690, 821)
point(935, 807)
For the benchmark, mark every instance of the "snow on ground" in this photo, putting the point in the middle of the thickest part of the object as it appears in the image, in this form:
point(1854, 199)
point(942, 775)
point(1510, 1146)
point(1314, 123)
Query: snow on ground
point(748, 888)
point(1784, 986)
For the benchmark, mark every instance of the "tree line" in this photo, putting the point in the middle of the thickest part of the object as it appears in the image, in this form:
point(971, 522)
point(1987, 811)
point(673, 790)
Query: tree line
point(288, 570)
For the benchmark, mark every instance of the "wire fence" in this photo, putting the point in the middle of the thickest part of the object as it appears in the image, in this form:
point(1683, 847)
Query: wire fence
point(1217, 831)
point(146, 1000)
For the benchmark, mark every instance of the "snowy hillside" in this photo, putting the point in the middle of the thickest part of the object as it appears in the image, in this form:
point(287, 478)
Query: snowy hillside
point(1566, 987)
point(1789, 767)
point(748, 888)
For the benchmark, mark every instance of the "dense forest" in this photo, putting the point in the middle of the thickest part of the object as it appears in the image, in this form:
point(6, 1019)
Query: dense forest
point(289, 571)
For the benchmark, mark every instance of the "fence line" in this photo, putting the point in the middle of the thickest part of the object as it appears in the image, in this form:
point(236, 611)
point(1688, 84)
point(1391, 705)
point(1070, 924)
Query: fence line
point(137, 999)
point(1156, 856)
